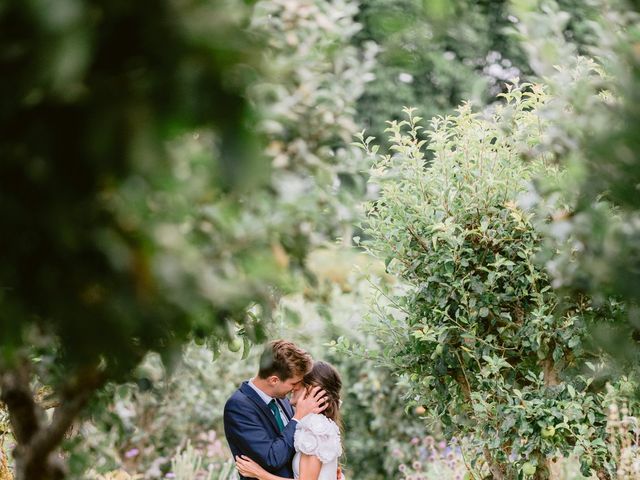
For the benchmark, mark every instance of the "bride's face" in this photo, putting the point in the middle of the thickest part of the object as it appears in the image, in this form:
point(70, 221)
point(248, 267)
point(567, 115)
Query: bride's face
point(297, 393)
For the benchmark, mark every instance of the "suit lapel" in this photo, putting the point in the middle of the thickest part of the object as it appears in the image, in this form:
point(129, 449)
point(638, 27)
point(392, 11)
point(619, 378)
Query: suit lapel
point(263, 407)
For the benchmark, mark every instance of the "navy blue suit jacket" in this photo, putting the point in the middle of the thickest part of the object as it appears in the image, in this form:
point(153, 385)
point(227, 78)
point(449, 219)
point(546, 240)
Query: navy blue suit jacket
point(251, 430)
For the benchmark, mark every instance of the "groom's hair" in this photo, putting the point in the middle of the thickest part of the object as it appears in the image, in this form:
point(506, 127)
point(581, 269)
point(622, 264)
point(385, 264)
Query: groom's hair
point(285, 360)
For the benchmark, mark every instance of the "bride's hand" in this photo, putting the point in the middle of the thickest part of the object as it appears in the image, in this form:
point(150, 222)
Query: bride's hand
point(249, 468)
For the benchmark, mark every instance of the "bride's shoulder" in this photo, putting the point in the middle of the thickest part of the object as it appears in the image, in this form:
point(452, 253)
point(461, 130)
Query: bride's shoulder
point(318, 424)
point(320, 436)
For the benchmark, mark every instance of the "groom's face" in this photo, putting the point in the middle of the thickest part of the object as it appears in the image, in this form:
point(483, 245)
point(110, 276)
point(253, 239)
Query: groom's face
point(281, 388)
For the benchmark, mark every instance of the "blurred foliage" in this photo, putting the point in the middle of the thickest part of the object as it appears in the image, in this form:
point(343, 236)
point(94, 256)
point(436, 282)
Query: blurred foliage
point(436, 54)
point(307, 102)
point(594, 207)
point(5, 447)
point(623, 432)
point(5, 470)
point(187, 465)
point(90, 190)
point(139, 426)
point(428, 458)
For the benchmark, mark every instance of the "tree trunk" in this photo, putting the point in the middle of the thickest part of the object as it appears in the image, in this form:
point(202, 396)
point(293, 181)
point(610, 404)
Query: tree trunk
point(550, 373)
point(549, 470)
point(543, 472)
point(498, 472)
point(555, 469)
point(36, 438)
point(5, 473)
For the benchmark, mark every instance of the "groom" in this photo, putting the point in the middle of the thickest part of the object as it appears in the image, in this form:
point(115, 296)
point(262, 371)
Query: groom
point(259, 421)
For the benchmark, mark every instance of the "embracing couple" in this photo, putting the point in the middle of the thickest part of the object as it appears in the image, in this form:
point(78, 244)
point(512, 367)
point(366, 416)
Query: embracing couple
point(272, 438)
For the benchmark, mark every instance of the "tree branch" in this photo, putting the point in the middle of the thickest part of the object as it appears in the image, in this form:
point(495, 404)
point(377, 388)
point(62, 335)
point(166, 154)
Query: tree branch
point(37, 440)
point(74, 397)
point(24, 413)
point(549, 372)
point(420, 241)
point(496, 470)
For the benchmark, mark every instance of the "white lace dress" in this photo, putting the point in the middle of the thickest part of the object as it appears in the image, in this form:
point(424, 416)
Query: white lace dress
point(319, 436)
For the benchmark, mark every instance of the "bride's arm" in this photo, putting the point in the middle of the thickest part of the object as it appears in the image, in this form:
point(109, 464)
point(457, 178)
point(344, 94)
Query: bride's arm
point(310, 466)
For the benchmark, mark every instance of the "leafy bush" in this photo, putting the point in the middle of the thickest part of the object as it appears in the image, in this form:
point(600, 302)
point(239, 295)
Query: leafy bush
point(486, 345)
point(187, 465)
point(436, 54)
point(623, 430)
point(139, 426)
point(428, 458)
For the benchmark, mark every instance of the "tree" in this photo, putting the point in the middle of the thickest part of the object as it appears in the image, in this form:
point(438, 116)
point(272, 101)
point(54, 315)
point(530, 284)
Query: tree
point(486, 345)
point(307, 102)
point(434, 55)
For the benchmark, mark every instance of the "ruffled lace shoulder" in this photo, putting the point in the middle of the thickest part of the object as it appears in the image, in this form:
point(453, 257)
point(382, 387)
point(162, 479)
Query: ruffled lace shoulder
point(319, 436)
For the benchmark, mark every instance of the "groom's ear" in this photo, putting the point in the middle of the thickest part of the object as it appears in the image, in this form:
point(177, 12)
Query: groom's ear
point(273, 380)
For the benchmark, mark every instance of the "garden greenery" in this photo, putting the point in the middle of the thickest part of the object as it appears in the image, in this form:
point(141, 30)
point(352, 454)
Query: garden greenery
point(307, 102)
point(489, 349)
point(508, 229)
point(111, 250)
point(592, 240)
point(139, 426)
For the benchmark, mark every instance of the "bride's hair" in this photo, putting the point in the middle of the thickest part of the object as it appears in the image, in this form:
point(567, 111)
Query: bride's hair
point(324, 375)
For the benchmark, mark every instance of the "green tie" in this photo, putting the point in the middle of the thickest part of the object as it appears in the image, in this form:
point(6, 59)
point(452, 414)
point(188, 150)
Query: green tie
point(276, 413)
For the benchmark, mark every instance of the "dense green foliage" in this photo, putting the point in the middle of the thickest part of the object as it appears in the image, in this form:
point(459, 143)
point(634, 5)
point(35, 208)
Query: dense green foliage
point(435, 61)
point(488, 347)
point(88, 184)
point(139, 426)
point(437, 54)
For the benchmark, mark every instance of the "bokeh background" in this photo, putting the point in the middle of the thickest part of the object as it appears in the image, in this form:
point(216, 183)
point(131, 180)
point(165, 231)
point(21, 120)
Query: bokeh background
point(441, 198)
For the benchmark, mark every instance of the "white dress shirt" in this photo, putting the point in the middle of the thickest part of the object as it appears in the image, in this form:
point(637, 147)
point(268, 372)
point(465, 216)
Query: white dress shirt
point(267, 399)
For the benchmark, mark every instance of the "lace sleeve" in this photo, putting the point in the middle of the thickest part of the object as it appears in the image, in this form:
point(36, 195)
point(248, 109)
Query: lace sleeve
point(318, 436)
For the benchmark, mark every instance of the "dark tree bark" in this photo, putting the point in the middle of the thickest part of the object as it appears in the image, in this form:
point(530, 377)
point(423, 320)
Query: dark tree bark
point(36, 438)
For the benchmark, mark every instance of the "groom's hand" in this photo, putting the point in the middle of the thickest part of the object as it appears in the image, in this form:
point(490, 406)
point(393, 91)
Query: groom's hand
point(314, 401)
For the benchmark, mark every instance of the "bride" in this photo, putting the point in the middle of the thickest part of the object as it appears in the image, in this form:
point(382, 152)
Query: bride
point(317, 438)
